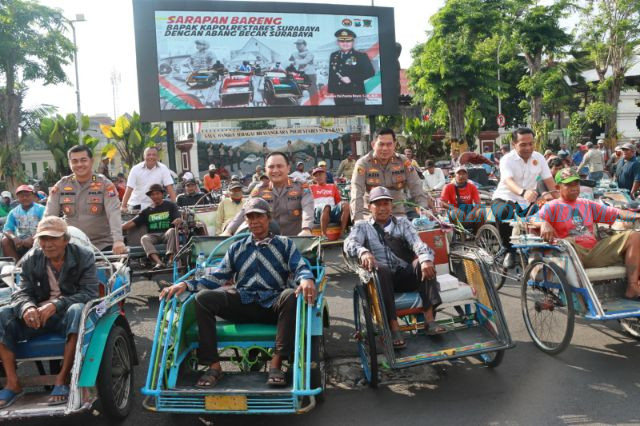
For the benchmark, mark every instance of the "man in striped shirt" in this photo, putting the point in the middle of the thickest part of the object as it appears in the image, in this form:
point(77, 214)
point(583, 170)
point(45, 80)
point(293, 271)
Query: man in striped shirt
point(261, 265)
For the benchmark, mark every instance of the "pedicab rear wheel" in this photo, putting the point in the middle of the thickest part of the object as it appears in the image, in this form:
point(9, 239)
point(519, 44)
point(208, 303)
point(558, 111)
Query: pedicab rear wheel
point(318, 365)
point(492, 359)
point(365, 335)
point(488, 238)
point(631, 326)
point(547, 306)
point(115, 379)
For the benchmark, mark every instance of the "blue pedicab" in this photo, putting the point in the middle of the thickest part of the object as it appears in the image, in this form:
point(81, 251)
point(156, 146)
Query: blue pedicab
point(470, 310)
point(104, 357)
point(245, 350)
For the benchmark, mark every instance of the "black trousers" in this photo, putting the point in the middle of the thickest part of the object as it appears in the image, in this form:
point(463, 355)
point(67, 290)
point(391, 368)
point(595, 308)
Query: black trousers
point(226, 304)
point(507, 210)
point(405, 280)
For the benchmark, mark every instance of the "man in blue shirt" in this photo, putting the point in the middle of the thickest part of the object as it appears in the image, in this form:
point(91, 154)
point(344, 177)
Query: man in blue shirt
point(261, 265)
point(628, 170)
point(21, 223)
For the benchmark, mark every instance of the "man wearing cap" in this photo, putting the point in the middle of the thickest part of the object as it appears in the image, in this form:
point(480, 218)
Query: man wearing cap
point(299, 175)
point(212, 180)
point(20, 227)
point(89, 202)
point(256, 176)
point(323, 166)
point(348, 70)
point(56, 281)
point(613, 161)
point(628, 170)
point(203, 58)
point(384, 167)
point(142, 176)
point(594, 161)
point(390, 245)
point(516, 193)
point(291, 202)
point(328, 204)
point(229, 206)
point(603, 150)
point(263, 181)
point(302, 60)
point(573, 219)
point(160, 218)
point(563, 150)
point(261, 265)
point(462, 199)
point(192, 194)
point(347, 166)
point(433, 177)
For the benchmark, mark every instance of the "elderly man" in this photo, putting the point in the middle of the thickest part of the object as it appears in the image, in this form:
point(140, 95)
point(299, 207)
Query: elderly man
point(20, 227)
point(160, 219)
point(57, 279)
point(574, 218)
point(594, 161)
point(291, 202)
point(229, 206)
point(192, 194)
point(433, 177)
point(257, 174)
point(261, 265)
point(347, 166)
point(628, 169)
point(212, 180)
point(142, 176)
point(299, 175)
point(389, 245)
point(384, 167)
point(88, 201)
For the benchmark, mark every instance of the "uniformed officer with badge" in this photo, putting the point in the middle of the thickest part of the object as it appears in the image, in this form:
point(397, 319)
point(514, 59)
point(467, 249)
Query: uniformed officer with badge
point(291, 202)
point(384, 167)
point(88, 201)
point(348, 70)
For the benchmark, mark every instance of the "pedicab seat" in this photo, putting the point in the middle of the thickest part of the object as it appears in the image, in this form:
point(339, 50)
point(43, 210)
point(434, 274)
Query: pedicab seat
point(44, 346)
point(229, 332)
point(607, 273)
point(409, 301)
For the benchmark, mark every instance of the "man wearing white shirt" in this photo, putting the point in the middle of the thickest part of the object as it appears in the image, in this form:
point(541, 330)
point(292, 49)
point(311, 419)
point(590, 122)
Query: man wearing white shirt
point(142, 176)
point(516, 191)
point(300, 175)
point(433, 178)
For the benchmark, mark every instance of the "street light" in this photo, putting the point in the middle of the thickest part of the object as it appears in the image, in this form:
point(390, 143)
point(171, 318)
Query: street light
point(79, 18)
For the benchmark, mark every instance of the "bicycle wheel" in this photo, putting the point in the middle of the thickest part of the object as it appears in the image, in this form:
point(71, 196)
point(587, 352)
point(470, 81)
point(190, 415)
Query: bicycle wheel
point(492, 359)
point(488, 238)
point(631, 326)
point(365, 335)
point(547, 306)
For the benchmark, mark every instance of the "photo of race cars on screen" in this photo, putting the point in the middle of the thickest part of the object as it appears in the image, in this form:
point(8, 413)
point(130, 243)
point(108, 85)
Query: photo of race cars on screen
point(210, 60)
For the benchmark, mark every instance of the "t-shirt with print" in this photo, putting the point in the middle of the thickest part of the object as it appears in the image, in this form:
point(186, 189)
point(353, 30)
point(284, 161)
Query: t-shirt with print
point(468, 194)
point(158, 219)
point(23, 223)
point(576, 219)
point(325, 195)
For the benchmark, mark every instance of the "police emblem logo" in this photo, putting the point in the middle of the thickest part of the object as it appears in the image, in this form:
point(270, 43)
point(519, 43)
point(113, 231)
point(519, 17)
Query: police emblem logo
point(361, 171)
point(296, 212)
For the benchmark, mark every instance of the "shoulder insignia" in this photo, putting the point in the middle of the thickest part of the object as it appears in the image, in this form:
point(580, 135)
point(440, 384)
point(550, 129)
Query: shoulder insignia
point(361, 171)
point(255, 192)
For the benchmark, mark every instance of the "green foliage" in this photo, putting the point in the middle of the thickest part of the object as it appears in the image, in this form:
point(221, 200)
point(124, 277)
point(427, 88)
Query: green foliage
point(598, 113)
point(541, 130)
point(255, 125)
point(578, 126)
point(129, 138)
point(473, 122)
point(59, 134)
point(394, 122)
point(421, 132)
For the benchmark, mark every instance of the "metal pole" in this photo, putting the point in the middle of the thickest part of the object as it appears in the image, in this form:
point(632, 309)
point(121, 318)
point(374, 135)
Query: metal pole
point(498, 61)
point(171, 146)
point(75, 60)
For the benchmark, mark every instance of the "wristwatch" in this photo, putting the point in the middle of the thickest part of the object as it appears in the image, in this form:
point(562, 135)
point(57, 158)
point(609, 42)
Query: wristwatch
point(523, 192)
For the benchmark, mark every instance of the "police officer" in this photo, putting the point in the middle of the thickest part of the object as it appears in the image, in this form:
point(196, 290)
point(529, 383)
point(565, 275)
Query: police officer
point(203, 58)
point(384, 167)
point(88, 201)
point(348, 70)
point(291, 202)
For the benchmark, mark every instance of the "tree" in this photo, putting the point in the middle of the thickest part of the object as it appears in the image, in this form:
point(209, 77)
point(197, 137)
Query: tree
point(611, 35)
point(33, 47)
point(130, 137)
point(255, 125)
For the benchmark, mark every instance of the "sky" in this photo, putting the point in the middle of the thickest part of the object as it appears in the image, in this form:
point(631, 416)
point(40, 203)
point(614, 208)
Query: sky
point(106, 46)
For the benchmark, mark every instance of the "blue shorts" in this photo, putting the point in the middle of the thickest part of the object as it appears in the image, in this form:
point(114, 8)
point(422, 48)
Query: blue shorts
point(14, 330)
point(334, 215)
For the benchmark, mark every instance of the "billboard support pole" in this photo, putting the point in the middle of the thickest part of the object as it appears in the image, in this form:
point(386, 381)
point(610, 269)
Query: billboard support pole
point(372, 127)
point(171, 146)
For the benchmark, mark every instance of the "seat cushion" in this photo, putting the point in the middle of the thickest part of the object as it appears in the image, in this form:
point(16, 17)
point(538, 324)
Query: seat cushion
point(412, 300)
point(608, 273)
point(44, 346)
point(228, 332)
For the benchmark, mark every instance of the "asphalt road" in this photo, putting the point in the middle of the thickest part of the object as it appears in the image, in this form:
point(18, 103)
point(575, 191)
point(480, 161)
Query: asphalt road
point(595, 381)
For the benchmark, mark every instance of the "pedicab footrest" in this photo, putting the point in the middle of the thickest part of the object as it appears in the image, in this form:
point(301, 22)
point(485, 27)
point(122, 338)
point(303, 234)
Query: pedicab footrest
point(407, 301)
point(44, 346)
point(606, 274)
point(228, 332)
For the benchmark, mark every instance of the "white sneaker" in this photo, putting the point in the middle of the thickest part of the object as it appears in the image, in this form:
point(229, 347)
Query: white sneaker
point(509, 261)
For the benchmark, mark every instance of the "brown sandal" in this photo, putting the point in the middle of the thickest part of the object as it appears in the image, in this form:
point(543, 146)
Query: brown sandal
point(434, 329)
point(209, 379)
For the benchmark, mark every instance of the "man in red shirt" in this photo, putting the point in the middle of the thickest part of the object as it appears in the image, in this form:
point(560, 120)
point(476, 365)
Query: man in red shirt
point(328, 202)
point(462, 199)
point(573, 219)
point(212, 180)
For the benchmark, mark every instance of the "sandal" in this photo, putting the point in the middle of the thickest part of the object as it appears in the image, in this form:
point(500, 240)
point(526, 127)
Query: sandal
point(434, 329)
point(398, 341)
point(58, 391)
point(8, 397)
point(158, 266)
point(276, 377)
point(209, 379)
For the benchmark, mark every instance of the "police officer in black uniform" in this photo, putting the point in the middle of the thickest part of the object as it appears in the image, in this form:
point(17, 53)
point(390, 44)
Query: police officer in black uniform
point(348, 70)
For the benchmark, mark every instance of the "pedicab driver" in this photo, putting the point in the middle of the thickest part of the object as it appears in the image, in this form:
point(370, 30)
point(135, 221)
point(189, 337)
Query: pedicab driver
point(56, 281)
point(389, 245)
point(261, 265)
point(573, 218)
point(384, 167)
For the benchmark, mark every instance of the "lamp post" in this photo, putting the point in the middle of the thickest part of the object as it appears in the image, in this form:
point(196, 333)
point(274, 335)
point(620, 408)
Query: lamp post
point(79, 18)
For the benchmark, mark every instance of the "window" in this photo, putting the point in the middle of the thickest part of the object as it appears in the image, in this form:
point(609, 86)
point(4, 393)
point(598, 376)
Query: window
point(34, 170)
point(45, 166)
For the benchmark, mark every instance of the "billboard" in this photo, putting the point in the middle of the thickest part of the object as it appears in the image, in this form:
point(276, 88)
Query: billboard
point(207, 60)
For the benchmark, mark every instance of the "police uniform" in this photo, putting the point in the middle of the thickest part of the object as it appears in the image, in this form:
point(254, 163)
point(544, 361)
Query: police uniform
point(93, 207)
point(291, 207)
point(397, 175)
point(353, 64)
